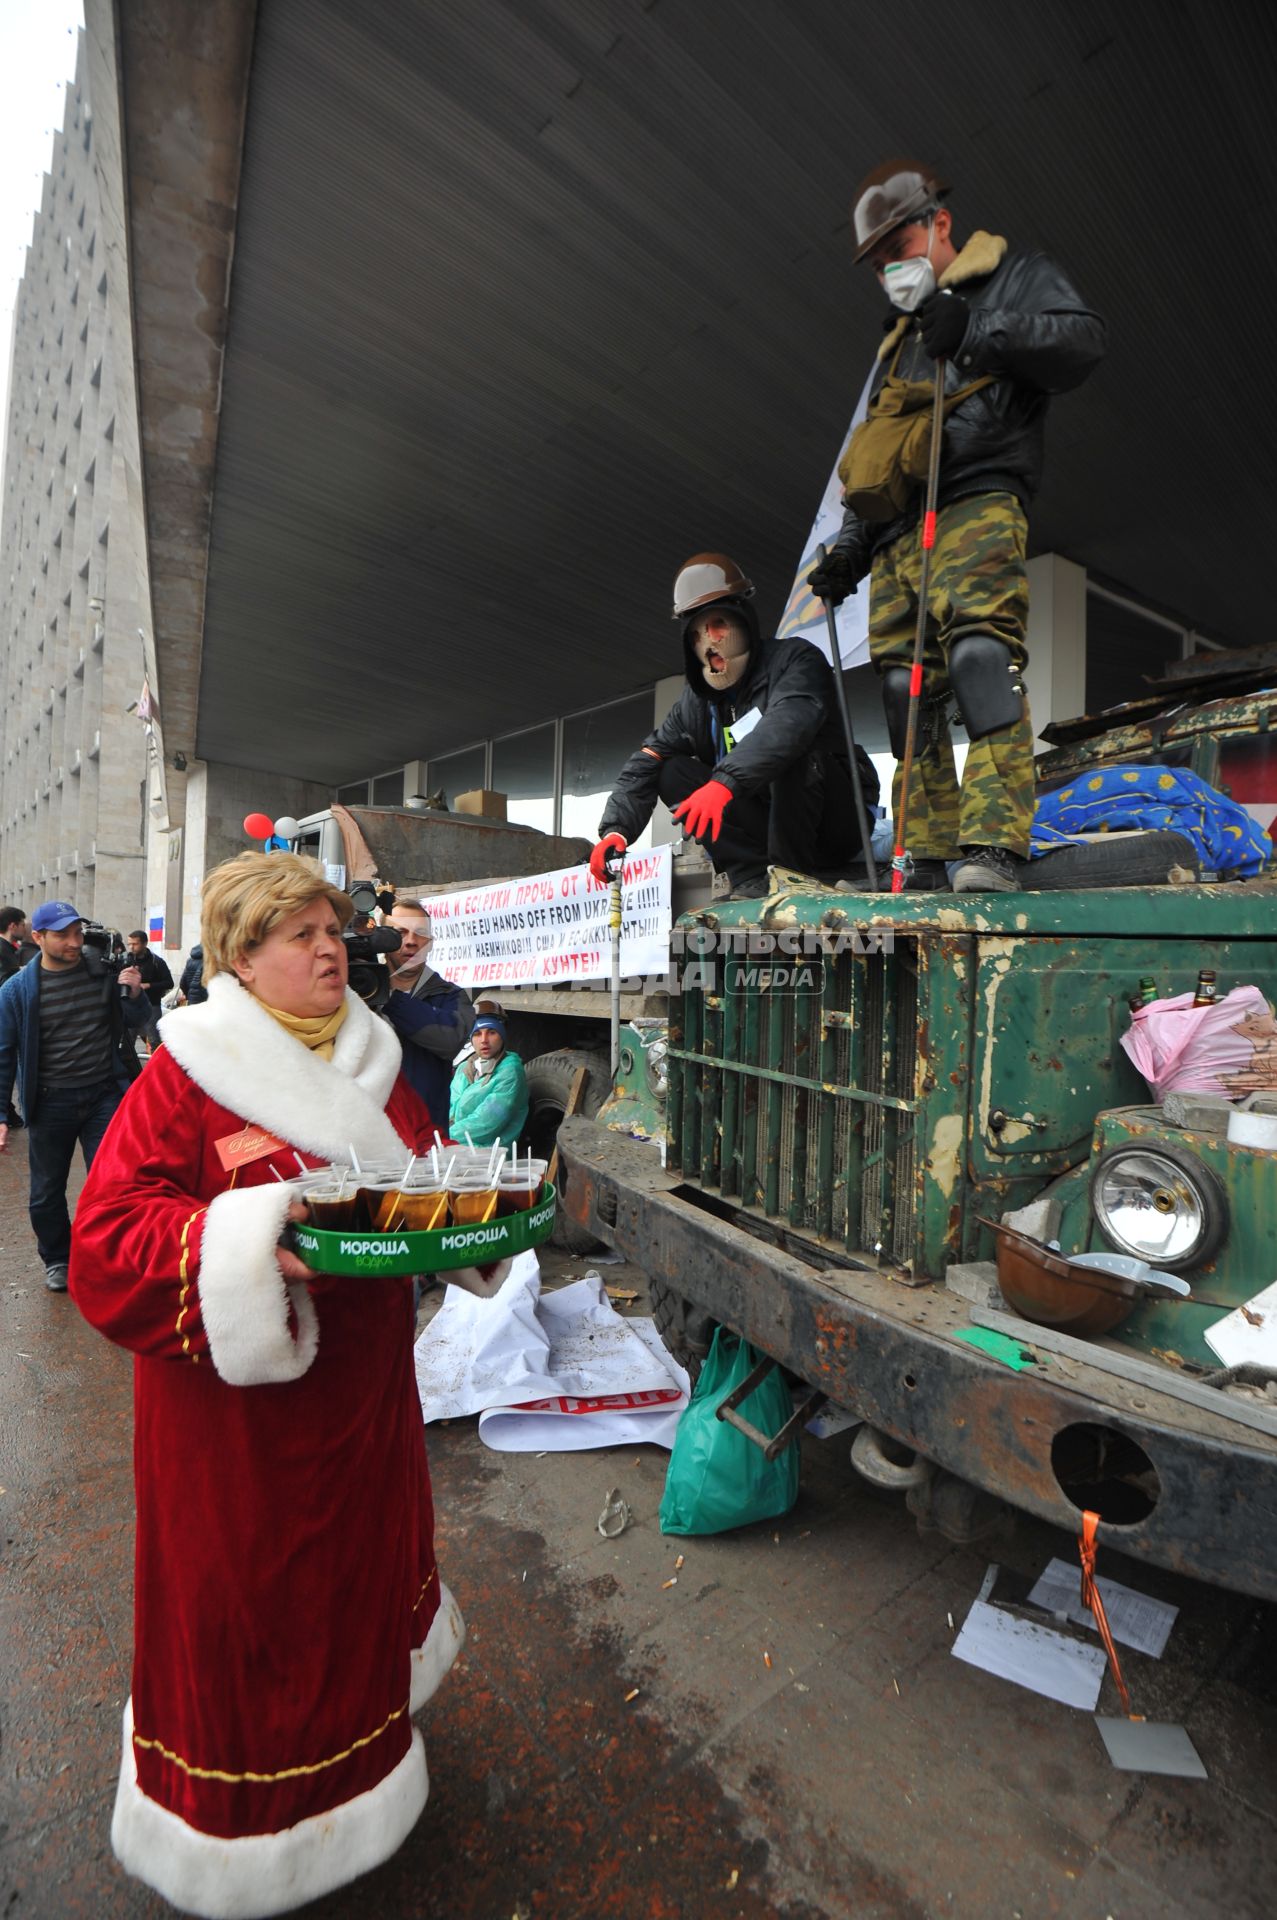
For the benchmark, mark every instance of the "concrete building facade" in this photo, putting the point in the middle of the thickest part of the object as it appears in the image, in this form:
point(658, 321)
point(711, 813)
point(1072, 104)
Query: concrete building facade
point(74, 743)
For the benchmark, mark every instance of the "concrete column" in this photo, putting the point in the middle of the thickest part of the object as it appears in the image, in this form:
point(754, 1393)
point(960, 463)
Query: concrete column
point(1056, 676)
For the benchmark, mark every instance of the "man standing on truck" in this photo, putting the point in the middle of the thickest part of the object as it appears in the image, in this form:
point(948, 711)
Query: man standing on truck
point(750, 757)
point(1012, 331)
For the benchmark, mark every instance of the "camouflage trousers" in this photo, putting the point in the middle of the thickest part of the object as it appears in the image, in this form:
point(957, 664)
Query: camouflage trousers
point(978, 584)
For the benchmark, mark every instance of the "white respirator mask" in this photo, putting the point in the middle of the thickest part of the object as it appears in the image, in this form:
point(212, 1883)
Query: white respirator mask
point(907, 283)
point(723, 637)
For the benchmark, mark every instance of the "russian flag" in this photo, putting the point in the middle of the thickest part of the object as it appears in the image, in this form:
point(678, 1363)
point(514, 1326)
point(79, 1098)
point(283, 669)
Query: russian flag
point(155, 929)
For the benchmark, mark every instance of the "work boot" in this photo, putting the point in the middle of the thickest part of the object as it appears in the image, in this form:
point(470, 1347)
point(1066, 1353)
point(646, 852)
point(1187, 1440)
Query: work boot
point(55, 1276)
point(986, 870)
point(741, 886)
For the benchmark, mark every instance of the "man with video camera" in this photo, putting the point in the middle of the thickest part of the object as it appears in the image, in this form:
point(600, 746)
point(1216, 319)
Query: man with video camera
point(64, 1034)
point(432, 1016)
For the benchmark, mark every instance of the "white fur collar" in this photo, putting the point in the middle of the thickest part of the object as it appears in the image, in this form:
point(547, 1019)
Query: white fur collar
point(248, 1063)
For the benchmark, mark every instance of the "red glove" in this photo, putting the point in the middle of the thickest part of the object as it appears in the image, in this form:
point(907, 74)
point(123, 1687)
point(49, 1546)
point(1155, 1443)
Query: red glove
point(609, 844)
point(703, 810)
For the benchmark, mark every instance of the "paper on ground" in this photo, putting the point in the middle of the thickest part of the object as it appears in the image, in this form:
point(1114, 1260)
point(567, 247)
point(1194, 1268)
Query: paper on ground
point(1239, 1342)
point(1135, 1619)
point(1036, 1657)
point(1150, 1746)
point(558, 1349)
point(572, 1424)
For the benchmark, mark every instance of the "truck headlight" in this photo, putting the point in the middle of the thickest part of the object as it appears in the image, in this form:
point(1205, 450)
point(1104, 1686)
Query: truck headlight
point(658, 1068)
point(1160, 1203)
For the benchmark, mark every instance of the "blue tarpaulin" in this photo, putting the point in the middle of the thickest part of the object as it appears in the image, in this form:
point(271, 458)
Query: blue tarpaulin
point(1123, 798)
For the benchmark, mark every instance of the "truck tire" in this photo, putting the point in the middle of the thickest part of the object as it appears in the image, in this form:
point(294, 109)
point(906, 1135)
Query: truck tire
point(550, 1078)
point(685, 1329)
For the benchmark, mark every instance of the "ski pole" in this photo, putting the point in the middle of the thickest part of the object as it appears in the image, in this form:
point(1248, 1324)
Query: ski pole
point(844, 714)
point(615, 867)
point(900, 862)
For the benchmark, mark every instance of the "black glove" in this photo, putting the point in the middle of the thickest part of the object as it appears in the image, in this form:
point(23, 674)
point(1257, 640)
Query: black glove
point(832, 579)
point(943, 320)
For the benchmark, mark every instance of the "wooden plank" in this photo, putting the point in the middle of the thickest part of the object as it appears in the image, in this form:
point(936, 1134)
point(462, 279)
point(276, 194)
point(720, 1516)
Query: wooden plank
point(1126, 1367)
point(576, 1093)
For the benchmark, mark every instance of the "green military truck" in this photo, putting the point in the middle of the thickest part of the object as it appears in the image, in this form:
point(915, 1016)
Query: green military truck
point(860, 1085)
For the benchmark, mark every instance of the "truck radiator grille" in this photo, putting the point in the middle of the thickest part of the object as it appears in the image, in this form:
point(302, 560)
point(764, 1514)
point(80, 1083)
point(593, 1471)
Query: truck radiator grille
point(798, 1100)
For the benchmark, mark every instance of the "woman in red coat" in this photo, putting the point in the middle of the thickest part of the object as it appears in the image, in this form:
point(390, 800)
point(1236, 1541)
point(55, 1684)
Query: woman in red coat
point(289, 1615)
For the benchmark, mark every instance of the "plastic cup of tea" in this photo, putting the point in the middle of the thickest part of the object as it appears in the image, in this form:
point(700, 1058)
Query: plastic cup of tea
point(472, 1197)
point(333, 1207)
point(520, 1186)
point(421, 1206)
point(376, 1195)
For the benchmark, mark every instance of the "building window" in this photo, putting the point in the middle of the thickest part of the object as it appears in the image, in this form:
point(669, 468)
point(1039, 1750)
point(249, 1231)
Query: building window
point(523, 770)
point(458, 772)
point(596, 745)
point(387, 789)
point(353, 795)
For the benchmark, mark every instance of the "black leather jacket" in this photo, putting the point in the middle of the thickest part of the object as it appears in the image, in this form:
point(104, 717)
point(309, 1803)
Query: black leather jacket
point(791, 684)
point(1031, 328)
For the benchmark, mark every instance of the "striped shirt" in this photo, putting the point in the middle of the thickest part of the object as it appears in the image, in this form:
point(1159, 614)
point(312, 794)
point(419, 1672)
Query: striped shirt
point(77, 1041)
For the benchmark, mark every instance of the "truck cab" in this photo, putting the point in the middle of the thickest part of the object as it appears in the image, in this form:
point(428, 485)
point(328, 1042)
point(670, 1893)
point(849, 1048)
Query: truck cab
point(862, 1086)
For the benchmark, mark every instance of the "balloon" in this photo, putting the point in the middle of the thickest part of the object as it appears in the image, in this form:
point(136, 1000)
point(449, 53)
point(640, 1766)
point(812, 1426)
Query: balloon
point(286, 827)
point(258, 826)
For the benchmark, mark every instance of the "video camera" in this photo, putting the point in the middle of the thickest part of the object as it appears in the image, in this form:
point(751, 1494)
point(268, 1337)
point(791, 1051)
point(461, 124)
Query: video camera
point(366, 947)
point(107, 943)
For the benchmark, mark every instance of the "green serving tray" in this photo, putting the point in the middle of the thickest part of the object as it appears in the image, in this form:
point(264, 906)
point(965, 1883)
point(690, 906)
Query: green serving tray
point(354, 1251)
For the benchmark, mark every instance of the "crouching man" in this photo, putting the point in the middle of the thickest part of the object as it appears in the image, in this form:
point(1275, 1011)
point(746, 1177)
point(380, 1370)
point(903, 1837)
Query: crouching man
point(750, 758)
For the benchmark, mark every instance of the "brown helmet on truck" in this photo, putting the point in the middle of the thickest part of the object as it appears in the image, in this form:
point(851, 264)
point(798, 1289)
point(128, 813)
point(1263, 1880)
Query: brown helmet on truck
point(894, 193)
point(707, 577)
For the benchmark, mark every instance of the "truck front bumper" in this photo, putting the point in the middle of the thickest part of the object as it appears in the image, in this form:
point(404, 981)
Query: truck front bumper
point(887, 1353)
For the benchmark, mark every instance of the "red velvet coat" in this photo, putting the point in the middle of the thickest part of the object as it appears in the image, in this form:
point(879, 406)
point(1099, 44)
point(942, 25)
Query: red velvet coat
point(288, 1608)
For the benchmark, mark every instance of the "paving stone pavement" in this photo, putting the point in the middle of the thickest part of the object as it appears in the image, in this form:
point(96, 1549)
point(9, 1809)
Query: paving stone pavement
point(863, 1773)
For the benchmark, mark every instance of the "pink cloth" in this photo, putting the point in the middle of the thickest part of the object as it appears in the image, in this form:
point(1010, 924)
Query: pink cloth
point(1229, 1047)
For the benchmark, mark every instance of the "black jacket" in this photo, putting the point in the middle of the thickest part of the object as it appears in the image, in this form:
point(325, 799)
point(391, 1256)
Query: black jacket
point(1031, 328)
point(156, 977)
point(20, 1034)
point(792, 686)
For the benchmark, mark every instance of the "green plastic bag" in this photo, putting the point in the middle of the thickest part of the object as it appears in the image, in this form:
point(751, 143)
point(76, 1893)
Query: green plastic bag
point(718, 1479)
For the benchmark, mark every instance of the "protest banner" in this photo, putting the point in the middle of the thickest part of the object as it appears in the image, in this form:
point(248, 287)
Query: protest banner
point(550, 929)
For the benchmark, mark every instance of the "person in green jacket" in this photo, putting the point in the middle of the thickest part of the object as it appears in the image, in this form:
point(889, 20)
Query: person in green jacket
point(490, 1089)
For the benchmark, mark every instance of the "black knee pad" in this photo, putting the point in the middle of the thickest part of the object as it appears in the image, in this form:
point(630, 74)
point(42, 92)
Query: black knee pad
point(986, 684)
point(895, 704)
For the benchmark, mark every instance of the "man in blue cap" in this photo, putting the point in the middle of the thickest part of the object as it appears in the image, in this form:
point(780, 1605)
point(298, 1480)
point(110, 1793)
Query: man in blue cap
point(63, 1033)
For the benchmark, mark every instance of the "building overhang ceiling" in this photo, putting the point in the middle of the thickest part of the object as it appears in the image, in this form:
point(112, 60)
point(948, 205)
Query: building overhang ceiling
point(530, 301)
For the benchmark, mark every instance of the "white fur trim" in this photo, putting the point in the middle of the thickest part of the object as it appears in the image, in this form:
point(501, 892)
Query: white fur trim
point(263, 1873)
point(432, 1659)
point(244, 1296)
point(242, 1058)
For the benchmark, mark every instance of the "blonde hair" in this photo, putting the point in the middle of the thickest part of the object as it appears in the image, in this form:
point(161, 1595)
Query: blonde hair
point(244, 900)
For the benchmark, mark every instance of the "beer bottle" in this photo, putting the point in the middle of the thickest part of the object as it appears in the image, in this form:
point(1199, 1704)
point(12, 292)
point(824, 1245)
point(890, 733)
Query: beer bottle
point(1205, 995)
point(1148, 990)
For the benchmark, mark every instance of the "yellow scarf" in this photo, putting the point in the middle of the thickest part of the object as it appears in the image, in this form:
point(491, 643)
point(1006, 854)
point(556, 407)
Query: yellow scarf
point(316, 1031)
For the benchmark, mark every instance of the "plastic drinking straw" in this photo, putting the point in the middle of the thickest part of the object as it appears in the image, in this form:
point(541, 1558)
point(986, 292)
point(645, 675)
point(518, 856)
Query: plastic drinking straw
point(492, 1207)
point(279, 1176)
point(434, 1157)
point(469, 1142)
point(407, 1172)
point(354, 1159)
point(301, 1164)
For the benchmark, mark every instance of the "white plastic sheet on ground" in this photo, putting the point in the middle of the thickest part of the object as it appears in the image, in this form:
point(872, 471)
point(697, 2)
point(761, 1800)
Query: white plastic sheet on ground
point(552, 1372)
